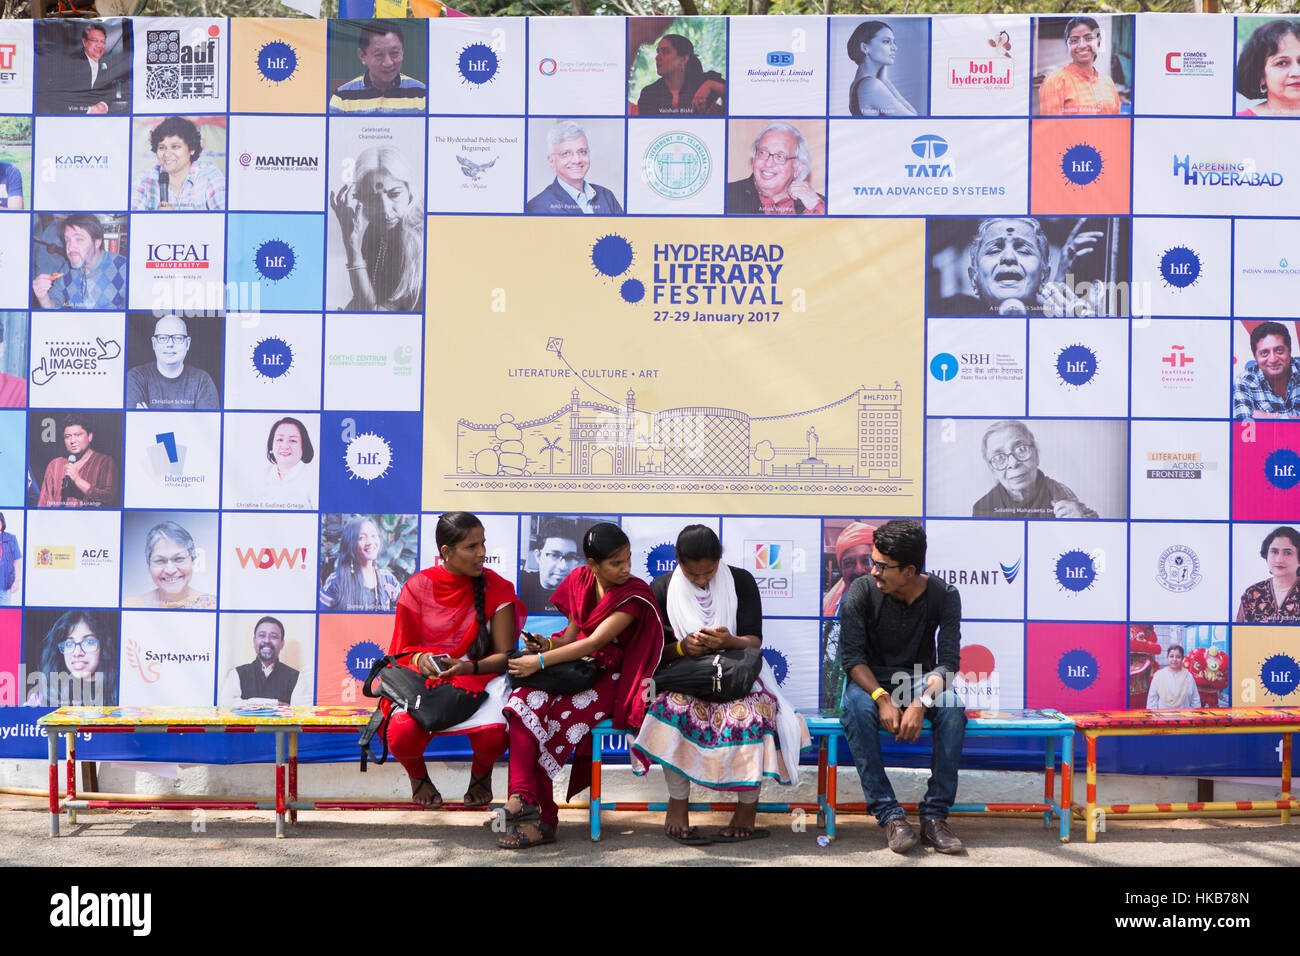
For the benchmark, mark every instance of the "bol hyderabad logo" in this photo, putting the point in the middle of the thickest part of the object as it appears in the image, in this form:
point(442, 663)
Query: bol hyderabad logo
point(676, 165)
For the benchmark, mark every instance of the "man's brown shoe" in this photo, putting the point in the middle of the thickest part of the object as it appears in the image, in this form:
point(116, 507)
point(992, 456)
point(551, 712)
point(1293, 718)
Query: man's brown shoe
point(900, 835)
point(939, 835)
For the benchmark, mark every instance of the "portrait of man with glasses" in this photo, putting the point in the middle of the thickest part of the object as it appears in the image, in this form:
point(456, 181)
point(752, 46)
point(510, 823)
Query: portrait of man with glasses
point(780, 162)
point(1079, 88)
point(167, 383)
point(1022, 490)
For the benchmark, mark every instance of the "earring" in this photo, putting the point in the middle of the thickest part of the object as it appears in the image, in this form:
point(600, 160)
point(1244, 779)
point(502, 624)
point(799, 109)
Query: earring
point(1263, 89)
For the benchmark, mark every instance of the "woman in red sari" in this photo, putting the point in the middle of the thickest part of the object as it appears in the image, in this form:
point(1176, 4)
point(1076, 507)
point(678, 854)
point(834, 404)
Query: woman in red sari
point(613, 618)
point(443, 613)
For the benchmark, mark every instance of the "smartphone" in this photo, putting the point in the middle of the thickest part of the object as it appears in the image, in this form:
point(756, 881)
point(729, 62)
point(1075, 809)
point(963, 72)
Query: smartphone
point(440, 663)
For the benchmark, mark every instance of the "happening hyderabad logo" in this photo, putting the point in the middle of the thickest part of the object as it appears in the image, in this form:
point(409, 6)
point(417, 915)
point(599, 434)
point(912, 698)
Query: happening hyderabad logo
point(676, 165)
point(277, 61)
point(1180, 267)
point(1076, 365)
point(478, 64)
point(1222, 172)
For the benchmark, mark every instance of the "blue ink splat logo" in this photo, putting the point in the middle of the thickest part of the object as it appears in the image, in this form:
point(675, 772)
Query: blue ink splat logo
point(1010, 571)
point(1280, 674)
point(1081, 164)
point(1077, 669)
point(780, 664)
point(944, 366)
point(1282, 469)
point(612, 256)
point(661, 559)
point(361, 657)
point(1076, 365)
point(277, 61)
point(477, 63)
point(1075, 571)
point(1180, 267)
point(272, 357)
point(274, 260)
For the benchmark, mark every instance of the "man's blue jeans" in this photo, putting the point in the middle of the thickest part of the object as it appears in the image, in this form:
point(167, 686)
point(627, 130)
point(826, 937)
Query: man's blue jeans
point(861, 722)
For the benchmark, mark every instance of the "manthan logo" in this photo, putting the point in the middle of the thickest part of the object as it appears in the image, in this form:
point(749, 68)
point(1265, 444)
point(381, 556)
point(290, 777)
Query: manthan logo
point(268, 559)
point(1188, 63)
point(177, 255)
point(303, 163)
point(677, 165)
point(982, 73)
point(1178, 569)
point(56, 557)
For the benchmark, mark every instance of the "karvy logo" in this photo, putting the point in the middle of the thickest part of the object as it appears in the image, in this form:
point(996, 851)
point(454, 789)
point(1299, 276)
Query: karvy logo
point(932, 148)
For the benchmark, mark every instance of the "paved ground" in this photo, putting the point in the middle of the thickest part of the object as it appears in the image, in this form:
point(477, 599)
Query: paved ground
point(237, 838)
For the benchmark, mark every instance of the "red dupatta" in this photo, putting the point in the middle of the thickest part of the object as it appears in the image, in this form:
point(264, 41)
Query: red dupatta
point(435, 613)
point(642, 641)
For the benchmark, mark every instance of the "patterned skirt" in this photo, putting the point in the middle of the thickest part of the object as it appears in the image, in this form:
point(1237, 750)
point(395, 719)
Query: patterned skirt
point(729, 746)
point(561, 721)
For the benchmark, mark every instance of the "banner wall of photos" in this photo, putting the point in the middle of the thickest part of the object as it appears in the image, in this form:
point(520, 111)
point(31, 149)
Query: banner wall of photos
point(278, 292)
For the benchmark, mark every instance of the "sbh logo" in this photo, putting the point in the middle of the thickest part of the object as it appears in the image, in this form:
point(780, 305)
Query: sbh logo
point(929, 146)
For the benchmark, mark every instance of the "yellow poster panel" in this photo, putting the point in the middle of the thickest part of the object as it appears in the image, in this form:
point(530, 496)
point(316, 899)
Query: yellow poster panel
point(1265, 666)
point(674, 366)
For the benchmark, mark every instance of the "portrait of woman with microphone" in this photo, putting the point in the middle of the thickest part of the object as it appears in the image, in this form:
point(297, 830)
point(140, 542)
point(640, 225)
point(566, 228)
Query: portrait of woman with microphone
point(179, 179)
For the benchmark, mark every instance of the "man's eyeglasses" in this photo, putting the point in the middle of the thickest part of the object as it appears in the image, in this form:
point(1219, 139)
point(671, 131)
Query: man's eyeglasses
point(87, 645)
point(568, 154)
point(1089, 38)
point(881, 566)
point(1022, 450)
point(171, 339)
point(765, 154)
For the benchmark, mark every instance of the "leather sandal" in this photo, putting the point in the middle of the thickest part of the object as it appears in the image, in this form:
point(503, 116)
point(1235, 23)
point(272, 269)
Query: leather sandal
point(528, 813)
point(521, 840)
point(479, 793)
point(419, 784)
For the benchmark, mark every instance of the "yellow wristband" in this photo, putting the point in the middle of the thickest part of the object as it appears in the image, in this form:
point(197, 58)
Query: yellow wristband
point(680, 652)
point(415, 661)
point(878, 692)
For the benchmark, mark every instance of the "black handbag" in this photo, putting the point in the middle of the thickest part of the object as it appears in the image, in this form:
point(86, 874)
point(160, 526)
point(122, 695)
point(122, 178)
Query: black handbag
point(569, 677)
point(433, 708)
point(719, 678)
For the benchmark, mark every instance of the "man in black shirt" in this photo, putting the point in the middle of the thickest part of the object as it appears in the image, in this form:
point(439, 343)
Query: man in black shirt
point(899, 678)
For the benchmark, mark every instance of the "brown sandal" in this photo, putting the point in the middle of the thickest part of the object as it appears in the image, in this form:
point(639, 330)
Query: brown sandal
point(419, 784)
point(479, 793)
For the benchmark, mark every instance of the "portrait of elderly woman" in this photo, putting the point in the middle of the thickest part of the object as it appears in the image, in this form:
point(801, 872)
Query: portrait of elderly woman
point(1022, 489)
point(780, 161)
point(78, 663)
point(1268, 70)
point(381, 218)
point(179, 179)
point(170, 554)
point(1024, 265)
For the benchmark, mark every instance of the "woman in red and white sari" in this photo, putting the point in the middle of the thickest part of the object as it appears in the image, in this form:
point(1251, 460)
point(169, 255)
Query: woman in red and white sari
point(612, 618)
point(443, 613)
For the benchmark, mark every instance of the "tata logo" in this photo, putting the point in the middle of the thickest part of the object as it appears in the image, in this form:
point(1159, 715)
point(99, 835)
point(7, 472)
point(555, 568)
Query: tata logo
point(780, 58)
point(929, 146)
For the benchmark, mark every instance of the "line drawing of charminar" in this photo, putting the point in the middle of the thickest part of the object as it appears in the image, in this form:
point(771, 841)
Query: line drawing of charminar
point(852, 440)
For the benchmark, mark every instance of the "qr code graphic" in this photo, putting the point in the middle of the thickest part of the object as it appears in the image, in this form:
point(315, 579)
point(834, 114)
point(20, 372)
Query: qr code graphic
point(175, 70)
